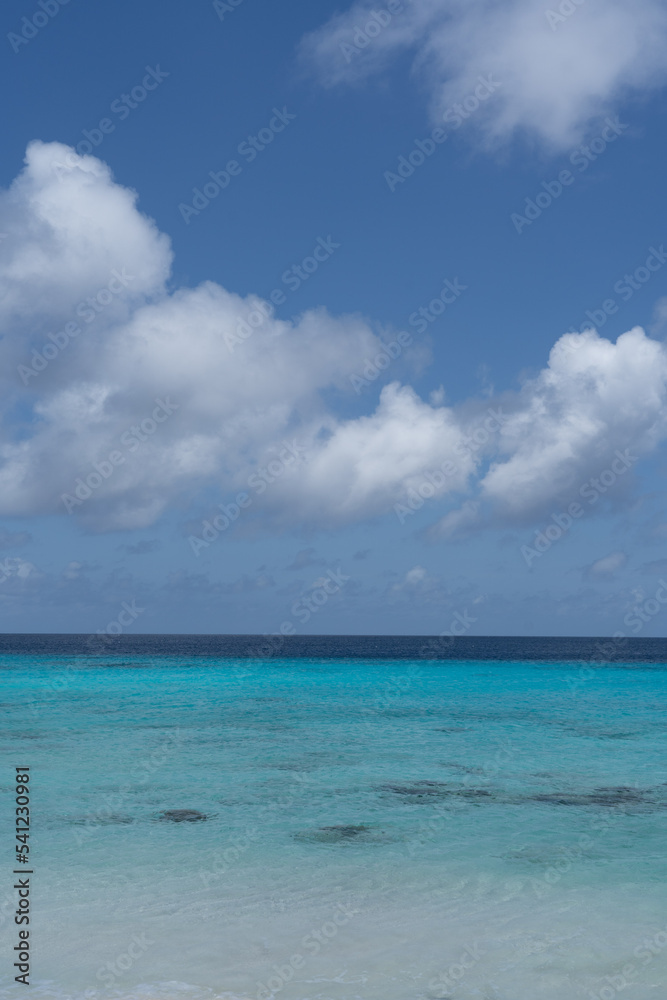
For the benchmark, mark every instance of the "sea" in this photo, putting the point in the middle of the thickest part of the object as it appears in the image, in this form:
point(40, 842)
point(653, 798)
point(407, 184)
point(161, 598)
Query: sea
point(335, 818)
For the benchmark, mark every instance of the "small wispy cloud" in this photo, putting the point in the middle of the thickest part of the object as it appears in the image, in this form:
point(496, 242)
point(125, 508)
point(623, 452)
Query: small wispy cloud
point(607, 567)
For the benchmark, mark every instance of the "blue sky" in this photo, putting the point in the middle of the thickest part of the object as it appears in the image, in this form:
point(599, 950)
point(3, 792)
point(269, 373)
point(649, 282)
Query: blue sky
point(405, 497)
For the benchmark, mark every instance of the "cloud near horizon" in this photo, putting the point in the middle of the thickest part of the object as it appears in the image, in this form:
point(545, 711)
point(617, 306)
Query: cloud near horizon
point(229, 406)
point(556, 72)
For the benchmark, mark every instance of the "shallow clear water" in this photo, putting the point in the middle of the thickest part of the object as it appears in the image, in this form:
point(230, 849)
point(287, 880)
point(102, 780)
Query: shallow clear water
point(381, 830)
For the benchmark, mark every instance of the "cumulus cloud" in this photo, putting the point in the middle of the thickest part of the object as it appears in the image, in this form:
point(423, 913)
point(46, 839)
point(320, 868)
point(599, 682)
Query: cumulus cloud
point(556, 72)
point(67, 229)
point(164, 396)
point(576, 431)
point(162, 399)
point(594, 398)
point(369, 463)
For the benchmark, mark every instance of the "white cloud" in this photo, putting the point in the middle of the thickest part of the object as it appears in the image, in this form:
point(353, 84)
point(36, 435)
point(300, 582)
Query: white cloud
point(225, 413)
point(606, 567)
point(415, 581)
point(458, 522)
point(594, 399)
point(234, 403)
point(370, 463)
point(415, 575)
point(17, 568)
point(555, 75)
point(67, 229)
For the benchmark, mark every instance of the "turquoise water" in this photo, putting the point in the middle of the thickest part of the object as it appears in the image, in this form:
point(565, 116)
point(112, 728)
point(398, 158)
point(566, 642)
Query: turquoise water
point(377, 830)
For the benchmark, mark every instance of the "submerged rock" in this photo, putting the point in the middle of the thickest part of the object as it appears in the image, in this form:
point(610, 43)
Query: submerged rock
point(110, 819)
point(339, 833)
point(344, 832)
point(182, 815)
point(464, 768)
point(419, 789)
point(608, 796)
point(429, 792)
